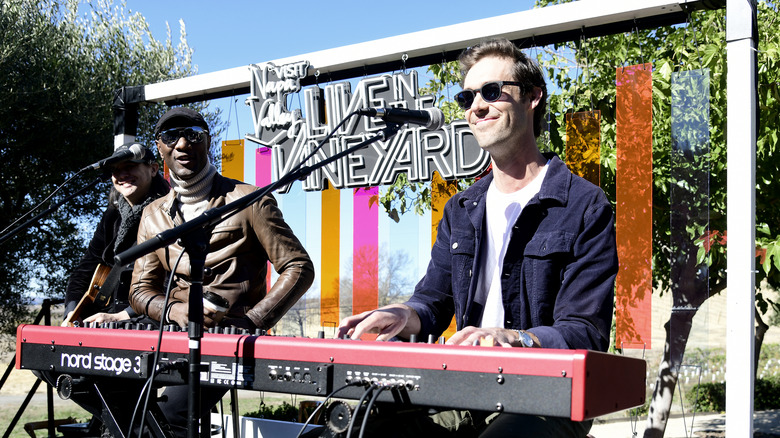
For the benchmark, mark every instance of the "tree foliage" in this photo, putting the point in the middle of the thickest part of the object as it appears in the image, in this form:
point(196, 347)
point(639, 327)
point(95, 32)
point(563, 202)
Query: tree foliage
point(402, 196)
point(582, 75)
point(60, 66)
point(698, 44)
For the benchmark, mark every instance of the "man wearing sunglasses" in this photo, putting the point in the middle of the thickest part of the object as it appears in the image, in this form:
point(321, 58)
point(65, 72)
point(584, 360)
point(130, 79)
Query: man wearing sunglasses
point(240, 248)
point(526, 257)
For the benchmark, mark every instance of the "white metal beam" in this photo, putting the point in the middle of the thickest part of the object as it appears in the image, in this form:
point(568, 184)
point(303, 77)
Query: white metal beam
point(741, 213)
point(519, 25)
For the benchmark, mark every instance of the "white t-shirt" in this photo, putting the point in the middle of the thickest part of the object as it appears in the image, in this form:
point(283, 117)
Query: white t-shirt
point(502, 211)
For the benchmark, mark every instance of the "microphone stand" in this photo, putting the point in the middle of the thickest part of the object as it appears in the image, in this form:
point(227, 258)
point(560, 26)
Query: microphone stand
point(54, 207)
point(194, 239)
point(196, 244)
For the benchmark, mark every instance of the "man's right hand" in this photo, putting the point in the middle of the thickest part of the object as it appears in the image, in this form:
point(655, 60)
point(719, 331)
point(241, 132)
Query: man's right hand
point(179, 313)
point(387, 321)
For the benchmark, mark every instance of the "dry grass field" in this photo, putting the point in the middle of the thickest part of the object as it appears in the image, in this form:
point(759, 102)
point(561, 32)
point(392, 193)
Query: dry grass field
point(19, 383)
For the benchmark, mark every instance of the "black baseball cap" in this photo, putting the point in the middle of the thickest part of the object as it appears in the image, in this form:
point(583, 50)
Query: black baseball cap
point(180, 117)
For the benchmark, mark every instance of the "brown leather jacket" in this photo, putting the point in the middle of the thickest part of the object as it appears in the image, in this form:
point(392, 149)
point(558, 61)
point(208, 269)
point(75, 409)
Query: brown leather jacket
point(239, 250)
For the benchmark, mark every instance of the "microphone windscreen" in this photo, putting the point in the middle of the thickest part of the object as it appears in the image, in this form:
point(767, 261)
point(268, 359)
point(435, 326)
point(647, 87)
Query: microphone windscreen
point(436, 119)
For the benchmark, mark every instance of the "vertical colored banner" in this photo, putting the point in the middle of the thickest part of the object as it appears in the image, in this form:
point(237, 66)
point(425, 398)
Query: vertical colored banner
point(263, 166)
point(634, 210)
point(689, 191)
point(583, 144)
point(329, 270)
point(365, 251)
point(233, 159)
point(263, 178)
point(441, 192)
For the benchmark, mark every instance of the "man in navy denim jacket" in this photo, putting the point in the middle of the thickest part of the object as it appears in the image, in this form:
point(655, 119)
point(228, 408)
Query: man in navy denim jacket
point(526, 257)
point(558, 273)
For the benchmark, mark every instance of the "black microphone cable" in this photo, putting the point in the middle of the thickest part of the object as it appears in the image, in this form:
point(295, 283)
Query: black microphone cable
point(146, 386)
point(156, 357)
point(368, 409)
point(365, 395)
point(324, 402)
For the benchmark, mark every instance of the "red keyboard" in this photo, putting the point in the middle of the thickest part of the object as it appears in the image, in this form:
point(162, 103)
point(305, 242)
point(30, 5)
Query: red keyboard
point(578, 384)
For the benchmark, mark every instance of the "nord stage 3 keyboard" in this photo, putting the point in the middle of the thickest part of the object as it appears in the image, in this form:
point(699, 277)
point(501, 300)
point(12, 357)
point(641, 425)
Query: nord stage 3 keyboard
point(578, 384)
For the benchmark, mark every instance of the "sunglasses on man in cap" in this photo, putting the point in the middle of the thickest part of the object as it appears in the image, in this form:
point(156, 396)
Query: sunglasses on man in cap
point(193, 134)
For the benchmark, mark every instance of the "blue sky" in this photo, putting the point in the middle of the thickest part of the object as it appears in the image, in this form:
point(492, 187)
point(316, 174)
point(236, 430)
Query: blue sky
point(227, 34)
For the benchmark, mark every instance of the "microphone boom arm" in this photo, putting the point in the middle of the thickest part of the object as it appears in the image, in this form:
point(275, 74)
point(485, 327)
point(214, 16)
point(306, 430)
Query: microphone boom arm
point(51, 209)
point(218, 214)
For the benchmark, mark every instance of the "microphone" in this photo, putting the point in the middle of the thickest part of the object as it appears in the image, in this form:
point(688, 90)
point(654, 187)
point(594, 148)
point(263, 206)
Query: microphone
point(431, 118)
point(134, 152)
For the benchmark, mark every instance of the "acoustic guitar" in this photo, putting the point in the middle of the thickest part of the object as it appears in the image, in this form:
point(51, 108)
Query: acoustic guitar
point(92, 293)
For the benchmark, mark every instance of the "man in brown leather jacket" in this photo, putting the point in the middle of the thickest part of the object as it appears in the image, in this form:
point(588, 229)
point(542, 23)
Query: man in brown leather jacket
point(239, 248)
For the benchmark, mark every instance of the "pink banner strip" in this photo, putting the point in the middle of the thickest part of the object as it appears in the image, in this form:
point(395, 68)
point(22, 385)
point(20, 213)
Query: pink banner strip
point(262, 179)
point(365, 281)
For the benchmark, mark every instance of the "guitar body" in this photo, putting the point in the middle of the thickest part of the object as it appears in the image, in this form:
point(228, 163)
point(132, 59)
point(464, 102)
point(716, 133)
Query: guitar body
point(92, 293)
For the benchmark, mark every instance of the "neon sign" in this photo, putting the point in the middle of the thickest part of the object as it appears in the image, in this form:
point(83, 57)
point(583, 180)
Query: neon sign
point(452, 151)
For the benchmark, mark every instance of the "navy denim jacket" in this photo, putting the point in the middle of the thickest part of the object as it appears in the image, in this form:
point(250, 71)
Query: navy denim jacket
point(558, 276)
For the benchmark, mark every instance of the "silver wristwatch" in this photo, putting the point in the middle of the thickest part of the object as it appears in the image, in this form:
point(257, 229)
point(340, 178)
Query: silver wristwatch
point(524, 339)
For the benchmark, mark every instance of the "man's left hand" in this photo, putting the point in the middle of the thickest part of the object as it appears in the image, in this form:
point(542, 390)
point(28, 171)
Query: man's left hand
point(491, 336)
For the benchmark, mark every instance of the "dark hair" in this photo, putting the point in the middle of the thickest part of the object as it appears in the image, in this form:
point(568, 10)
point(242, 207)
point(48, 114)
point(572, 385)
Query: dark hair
point(525, 70)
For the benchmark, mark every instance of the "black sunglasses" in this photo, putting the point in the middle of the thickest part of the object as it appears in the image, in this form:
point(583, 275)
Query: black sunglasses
point(490, 92)
point(193, 134)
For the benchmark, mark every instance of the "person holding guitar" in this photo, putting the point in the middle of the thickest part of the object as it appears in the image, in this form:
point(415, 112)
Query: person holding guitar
point(104, 298)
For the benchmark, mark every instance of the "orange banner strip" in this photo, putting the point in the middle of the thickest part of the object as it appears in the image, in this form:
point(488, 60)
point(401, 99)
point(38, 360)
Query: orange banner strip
point(233, 159)
point(583, 145)
point(634, 215)
point(329, 275)
point(441, 192)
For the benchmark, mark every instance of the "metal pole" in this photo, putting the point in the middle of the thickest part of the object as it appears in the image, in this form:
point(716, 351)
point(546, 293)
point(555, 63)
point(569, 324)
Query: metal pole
point(46, 309)
point(741, 211)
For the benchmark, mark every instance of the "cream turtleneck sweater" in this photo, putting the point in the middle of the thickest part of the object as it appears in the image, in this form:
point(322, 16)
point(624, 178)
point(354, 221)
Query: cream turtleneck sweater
point(193, 193)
